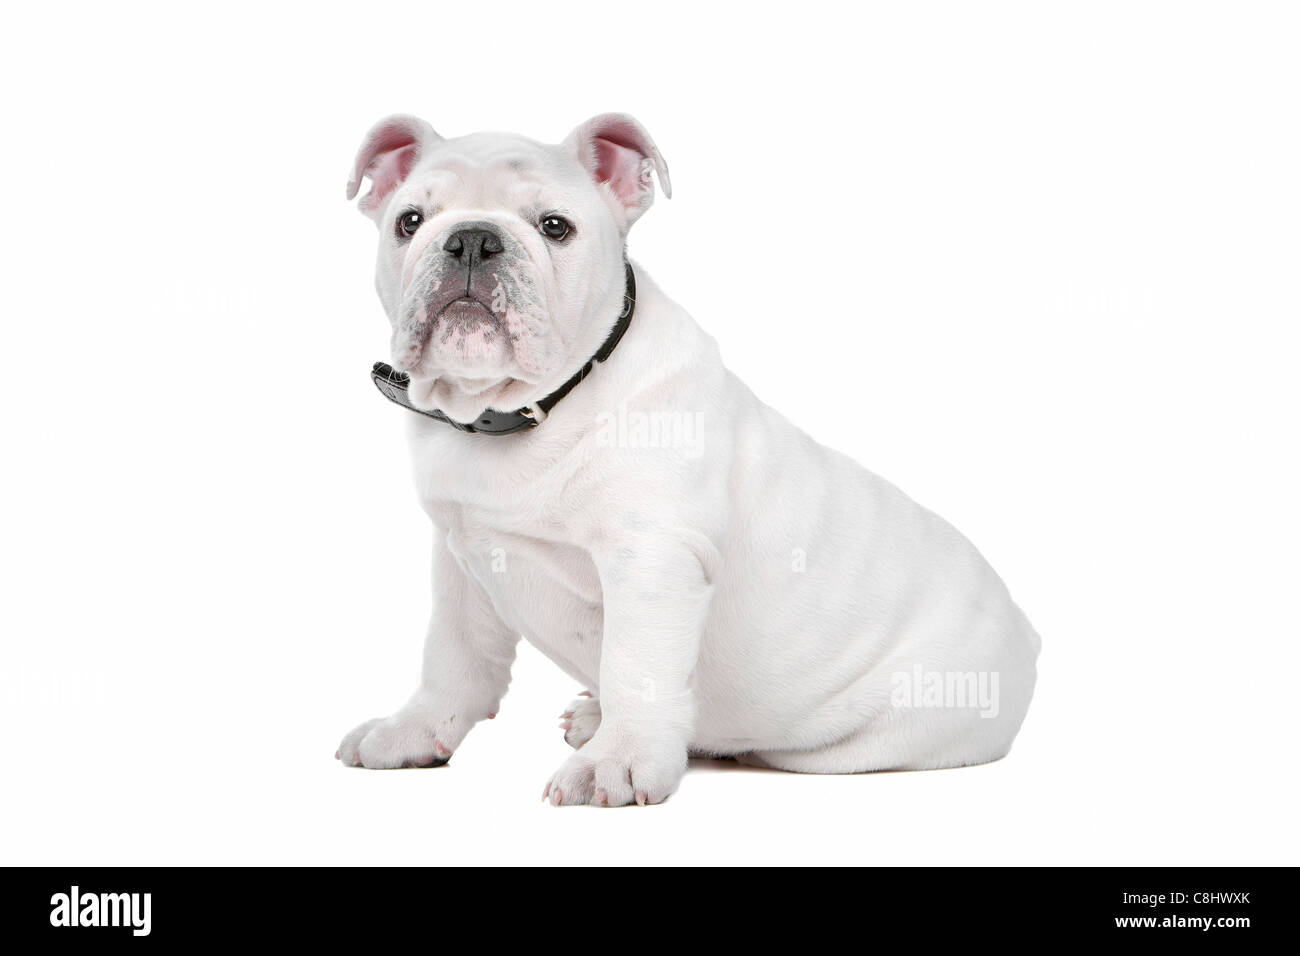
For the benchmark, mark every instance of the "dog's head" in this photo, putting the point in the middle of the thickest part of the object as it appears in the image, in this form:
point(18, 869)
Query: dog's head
point(500, 258)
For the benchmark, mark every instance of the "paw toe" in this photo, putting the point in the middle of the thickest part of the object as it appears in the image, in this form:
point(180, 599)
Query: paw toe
point(581, 721)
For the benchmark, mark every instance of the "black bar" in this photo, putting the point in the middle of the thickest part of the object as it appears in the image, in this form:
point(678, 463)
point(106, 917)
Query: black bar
point(1222, 908)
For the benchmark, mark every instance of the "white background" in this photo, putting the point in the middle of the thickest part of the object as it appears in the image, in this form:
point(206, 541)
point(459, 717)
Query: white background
point(1035, 263)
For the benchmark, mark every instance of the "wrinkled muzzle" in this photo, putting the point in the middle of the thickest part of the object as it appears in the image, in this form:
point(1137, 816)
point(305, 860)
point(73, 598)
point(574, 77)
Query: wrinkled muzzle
point(472, 307)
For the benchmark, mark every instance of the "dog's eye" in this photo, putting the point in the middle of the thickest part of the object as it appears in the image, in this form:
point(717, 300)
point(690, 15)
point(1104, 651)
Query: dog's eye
point(407, 223)
point(554, 227)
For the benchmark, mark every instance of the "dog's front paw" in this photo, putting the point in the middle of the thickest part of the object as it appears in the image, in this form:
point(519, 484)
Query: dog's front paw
point(403, 740)
point(610, 772)
point(581, 721)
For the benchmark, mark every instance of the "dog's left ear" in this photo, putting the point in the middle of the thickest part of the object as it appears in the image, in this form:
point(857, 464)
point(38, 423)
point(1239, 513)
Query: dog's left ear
point(621, 156)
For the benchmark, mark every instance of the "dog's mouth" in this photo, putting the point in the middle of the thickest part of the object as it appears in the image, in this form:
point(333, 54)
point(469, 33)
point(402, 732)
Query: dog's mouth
point(460, 337)
point(471, 330)
point(468, 309)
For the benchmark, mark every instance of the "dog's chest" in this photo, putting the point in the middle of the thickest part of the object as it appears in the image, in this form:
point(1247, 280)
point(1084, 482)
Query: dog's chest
point(547, 591)
point(515, 537)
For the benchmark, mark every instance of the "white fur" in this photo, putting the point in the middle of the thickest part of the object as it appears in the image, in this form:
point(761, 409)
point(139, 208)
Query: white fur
point(731, 587)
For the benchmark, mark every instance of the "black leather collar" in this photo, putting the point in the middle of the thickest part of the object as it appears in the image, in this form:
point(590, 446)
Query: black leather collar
point(393, 384)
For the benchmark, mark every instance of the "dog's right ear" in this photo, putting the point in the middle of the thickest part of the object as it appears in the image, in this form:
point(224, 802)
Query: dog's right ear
point(387, 155)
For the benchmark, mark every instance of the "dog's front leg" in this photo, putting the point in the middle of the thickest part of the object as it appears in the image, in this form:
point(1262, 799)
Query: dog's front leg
point(656, 598)
point(467, 658)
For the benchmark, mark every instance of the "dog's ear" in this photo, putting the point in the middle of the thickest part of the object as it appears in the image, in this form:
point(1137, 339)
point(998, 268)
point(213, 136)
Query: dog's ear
point(621, 156)
point(387, 155)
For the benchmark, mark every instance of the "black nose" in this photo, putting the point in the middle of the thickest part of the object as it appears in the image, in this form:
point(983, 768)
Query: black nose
point(472, 246)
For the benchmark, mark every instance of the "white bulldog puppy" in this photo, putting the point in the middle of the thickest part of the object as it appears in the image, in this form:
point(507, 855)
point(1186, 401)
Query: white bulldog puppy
point(722, 583)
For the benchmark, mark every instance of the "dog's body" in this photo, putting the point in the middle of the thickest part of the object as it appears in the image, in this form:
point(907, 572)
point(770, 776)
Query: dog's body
point(722, 583)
